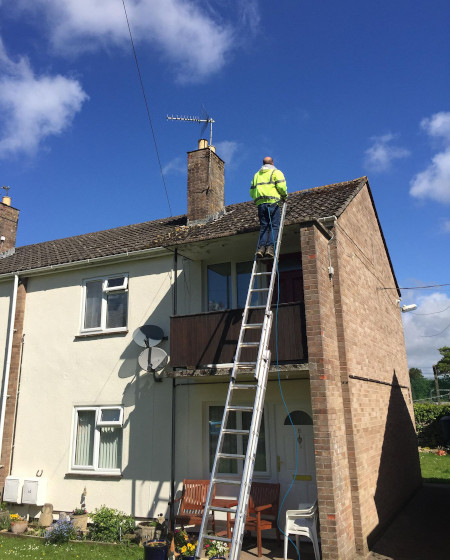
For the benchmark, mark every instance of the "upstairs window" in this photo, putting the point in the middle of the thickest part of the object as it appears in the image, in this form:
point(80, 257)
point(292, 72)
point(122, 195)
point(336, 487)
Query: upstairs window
point(105, 304)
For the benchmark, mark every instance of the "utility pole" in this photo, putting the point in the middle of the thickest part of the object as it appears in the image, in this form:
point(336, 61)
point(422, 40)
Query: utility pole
point(436, 382)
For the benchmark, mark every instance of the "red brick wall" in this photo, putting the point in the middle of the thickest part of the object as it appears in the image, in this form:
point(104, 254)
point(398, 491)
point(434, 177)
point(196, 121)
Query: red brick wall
point(11, 403)
point(384, 467)
point(206, 184)
point(9, 217)
point(332, 467)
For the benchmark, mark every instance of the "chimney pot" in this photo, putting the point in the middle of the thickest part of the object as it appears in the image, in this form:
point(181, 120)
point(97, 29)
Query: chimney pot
point(6, 200)
point(202, 144)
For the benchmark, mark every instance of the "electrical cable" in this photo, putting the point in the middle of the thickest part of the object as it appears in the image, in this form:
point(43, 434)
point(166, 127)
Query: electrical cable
point(147, 107)
point(416, 287)
point(432, 335)
point(275, 263)
point(432, 313)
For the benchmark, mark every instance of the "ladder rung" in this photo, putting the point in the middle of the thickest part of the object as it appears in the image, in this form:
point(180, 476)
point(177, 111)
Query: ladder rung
point(224, 509)
point(235, 432)
point(249, 344)
point(242, 386)
point(253, 326)
point(259, 289)
point(235, 481)
point(231, 456)
point(263, 273)
point(215, 538)
point(256, 307)
point(245, 363)
point(240, 408)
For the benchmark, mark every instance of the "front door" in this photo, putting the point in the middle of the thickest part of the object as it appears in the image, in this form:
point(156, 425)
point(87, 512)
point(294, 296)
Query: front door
point(302, 478)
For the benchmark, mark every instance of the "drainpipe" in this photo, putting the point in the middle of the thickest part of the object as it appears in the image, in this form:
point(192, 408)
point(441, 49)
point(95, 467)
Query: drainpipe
point(12, 317)
point(331, 221)
point(172, 451)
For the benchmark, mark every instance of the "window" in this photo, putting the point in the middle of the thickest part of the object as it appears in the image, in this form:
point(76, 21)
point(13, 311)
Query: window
point(105, 304)
point(97, 440)
point(228, 285)
point(235, 444)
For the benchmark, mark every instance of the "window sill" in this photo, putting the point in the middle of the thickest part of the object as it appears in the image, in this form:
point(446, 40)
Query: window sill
point(101, 334)
point(93, 474)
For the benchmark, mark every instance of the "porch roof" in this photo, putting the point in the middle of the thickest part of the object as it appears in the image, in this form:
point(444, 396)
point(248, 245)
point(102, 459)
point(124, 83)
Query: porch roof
point(239, 218)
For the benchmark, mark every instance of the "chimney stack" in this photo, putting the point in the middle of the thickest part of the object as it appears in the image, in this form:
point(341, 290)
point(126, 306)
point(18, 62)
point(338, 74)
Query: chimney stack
point(206, 185)
point(9, 217)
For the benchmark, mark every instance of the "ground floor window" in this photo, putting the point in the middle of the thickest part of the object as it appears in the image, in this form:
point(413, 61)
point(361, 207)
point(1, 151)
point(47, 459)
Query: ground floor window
point(97, 439)
point(235, 444)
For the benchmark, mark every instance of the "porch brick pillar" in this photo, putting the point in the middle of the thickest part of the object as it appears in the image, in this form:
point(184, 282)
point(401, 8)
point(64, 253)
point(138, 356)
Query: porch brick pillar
point(332, 465)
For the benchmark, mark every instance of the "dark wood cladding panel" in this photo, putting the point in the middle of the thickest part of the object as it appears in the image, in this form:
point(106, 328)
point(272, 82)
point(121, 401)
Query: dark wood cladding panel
point(211, 338)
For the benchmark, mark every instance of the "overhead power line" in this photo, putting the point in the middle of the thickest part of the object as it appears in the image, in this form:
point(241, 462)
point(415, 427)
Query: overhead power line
point(432, 313)
point(146, 106)
point(416, 287)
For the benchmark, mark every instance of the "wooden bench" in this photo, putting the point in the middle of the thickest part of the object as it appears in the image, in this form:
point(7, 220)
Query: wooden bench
point(193, 499)
point(262, 511)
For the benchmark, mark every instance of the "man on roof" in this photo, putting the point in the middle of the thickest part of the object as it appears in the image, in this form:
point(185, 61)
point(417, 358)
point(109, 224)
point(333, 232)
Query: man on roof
point(269, 191)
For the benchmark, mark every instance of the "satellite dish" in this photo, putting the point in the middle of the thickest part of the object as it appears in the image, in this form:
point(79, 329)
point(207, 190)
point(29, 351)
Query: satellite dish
point(148, 335)
point(153, 359)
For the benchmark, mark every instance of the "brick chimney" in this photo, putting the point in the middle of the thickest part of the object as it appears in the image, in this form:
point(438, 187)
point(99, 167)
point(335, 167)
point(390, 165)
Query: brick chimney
point(9, 217)
point(206, 185)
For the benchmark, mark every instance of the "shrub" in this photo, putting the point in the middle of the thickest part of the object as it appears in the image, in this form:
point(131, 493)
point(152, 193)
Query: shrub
point(60, 532)
point(108, 525)
point(427, 423)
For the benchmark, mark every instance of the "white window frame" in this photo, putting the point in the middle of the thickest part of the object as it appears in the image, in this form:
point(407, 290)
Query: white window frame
point(234, 282)
point(98, 424)
point(105, 291)
point(239, 449)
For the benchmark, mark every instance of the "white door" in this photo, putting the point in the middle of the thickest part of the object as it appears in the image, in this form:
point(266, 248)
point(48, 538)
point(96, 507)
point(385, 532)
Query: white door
point(295, 458)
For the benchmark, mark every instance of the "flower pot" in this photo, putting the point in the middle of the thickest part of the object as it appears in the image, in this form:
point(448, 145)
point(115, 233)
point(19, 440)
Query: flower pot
point(155, 550)
point(146, 532)
point(80, 521)
point(18, 527)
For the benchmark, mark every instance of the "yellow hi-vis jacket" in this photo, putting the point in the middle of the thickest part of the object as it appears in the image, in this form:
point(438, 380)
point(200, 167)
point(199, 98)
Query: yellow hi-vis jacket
point(268, 186)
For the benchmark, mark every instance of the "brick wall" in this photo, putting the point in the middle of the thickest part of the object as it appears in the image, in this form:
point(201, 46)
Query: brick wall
point(9, 218)
point(206, 185)
point(383, 458)
point(332, 467)
point(11, 402)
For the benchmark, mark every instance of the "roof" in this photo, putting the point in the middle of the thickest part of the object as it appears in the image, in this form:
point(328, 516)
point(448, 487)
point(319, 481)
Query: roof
point(239, 218)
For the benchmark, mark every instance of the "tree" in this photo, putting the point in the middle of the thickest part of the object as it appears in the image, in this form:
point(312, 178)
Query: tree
point(420, 386)
point(443, 366)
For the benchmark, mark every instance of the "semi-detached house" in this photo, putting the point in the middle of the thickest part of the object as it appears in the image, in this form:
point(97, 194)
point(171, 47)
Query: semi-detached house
point(78, 409)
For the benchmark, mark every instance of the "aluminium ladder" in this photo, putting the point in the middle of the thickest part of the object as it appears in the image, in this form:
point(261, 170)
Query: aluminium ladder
point(260, 367)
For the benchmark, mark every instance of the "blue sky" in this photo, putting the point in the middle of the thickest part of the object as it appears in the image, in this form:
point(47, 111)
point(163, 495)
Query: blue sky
point(332, 90)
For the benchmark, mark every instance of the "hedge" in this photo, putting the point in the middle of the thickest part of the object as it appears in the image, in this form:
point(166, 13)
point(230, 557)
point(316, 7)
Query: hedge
point(427, 418)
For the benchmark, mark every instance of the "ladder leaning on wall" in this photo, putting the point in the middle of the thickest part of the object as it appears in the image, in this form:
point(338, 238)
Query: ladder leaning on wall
point(259, 290)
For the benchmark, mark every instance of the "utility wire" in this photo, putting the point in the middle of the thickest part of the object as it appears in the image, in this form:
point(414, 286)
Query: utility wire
point(431, 335)
point(146, 106)
point(432, 313)
point(416, 287)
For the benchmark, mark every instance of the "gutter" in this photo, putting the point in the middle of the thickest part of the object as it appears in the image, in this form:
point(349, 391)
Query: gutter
point(141, 254)
point(8, 358)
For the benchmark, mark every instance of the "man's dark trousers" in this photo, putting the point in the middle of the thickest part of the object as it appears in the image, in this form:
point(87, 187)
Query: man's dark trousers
point(269, 221)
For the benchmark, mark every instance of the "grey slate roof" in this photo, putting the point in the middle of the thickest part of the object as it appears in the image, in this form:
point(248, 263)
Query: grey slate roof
point(170, 232)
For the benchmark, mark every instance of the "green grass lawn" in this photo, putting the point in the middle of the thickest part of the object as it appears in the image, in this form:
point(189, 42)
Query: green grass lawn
point(29, 548)
point(435, 468)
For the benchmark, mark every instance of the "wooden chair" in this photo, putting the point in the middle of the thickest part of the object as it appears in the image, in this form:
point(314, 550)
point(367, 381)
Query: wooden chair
point(262, 511)
point(193, 498)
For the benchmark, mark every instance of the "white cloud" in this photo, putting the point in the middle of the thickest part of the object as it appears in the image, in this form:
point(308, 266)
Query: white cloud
point(226, 150)
point(446, 226)
point(434, 181)
point(382, 153)
point(33, 107)
point(427, 329)
point(193, 39)
point(177, 166)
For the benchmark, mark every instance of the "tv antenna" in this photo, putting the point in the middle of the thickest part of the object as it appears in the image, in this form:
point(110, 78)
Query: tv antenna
point(206, 119)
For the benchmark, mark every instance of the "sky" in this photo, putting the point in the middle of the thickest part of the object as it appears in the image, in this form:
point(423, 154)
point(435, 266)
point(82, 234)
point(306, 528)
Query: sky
point(331, 90)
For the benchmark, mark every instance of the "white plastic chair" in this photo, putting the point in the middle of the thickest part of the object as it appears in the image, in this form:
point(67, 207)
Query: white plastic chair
point(302, 522)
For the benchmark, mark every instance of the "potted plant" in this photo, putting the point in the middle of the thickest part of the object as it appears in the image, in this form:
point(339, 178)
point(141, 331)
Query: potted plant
point(185, 544)
point(79, 517)
point(155, 550)
point(18, 524)
point(215, 549)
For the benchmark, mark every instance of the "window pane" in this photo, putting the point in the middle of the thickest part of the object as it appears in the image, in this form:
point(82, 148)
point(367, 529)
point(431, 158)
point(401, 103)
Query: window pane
point(229, 443)
point(110, 415)
point(93, 308)
point(260, 459)
point(84, 447)
point(117, 307)
point(219, 286)
point(114, 282)
point(110, 455)
point(243, 272)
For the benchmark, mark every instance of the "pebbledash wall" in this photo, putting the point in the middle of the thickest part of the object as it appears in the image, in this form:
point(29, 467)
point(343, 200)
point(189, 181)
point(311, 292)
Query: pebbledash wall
point(61, 370)
point(366, 449)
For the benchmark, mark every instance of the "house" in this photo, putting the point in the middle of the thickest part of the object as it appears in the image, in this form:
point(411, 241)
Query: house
point(78, 409)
